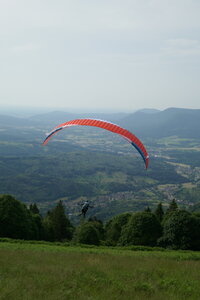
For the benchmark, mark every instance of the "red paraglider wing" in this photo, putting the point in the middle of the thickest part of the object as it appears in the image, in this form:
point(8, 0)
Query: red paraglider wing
point(107, 126)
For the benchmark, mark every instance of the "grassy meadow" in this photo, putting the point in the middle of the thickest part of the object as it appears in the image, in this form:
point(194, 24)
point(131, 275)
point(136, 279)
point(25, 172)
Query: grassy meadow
point(49, 271)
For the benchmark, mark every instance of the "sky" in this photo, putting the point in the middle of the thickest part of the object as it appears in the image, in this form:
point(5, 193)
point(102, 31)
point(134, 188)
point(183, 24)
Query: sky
point(116, 55)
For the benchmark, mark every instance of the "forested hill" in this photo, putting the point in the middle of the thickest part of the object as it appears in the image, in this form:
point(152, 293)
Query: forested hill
point(179, 122)
point(151, 123)
point(11, 121)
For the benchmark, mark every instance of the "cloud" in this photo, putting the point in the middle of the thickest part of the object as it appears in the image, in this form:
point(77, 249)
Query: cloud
point(99, 16)
point(182, 47)
point(24, 48)
point(94, 52)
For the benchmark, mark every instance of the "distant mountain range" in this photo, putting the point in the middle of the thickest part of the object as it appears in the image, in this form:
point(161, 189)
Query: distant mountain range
point(58, 117)
point(150, 123)
point(179, 122)
point(11, 121)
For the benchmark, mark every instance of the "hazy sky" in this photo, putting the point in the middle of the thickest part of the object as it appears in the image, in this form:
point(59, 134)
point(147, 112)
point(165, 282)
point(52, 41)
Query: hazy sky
point(100, 54)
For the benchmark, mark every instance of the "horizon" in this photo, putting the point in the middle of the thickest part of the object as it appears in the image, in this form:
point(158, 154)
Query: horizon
point(28, 111)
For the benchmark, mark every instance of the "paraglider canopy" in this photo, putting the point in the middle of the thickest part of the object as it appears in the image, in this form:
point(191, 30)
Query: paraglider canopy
point(130, 137)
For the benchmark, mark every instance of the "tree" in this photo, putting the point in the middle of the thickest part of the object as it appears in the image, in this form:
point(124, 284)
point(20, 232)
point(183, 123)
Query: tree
point(98, 224)
point(172, 206)
point(159, 212)
point(34, 209)
point(147, 209)
point(181, 231)
point(57, 225)
point(37, 223)
point(114, 227)
point(86, 233)
point(37, 227)
point(143, 228)
point(48, 228)
point(15, 219)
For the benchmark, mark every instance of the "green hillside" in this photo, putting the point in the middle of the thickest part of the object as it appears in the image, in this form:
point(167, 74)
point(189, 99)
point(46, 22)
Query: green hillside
point(47, 271)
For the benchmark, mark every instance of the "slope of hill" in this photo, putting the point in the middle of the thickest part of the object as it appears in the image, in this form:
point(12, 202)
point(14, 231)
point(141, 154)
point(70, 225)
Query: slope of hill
point(57, 117)
point(42, 270)
point(170, 122)
point(10, 121)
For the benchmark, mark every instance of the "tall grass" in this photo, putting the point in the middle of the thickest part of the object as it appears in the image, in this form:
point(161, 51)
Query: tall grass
point(42, 271)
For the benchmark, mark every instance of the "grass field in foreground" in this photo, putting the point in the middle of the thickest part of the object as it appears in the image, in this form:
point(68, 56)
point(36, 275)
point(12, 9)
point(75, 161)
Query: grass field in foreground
point(41, 271)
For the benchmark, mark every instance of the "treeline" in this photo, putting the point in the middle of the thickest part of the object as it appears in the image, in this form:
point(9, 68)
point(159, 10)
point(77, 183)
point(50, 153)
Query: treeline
point(21, 222)
point(173, 228)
